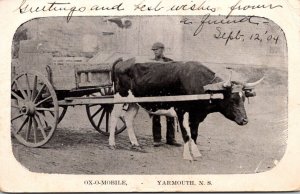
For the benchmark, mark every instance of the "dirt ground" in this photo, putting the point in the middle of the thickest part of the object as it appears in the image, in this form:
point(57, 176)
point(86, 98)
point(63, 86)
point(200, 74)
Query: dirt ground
point(76, 148)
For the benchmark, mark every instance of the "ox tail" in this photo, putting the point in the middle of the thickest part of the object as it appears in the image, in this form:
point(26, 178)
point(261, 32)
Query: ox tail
point(113, 72)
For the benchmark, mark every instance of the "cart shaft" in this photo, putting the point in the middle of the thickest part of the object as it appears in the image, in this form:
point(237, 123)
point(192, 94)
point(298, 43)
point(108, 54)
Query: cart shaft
point(121, 100)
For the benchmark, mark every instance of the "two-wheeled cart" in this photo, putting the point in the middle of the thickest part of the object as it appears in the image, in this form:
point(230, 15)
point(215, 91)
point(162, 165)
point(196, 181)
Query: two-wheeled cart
point(41, 97)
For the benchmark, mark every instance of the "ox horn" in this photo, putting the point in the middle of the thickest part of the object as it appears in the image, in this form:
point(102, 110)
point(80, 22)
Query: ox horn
point(252, 85)
point(227, 83)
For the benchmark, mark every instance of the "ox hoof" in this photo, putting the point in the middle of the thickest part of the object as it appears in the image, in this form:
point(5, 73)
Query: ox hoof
point(136, 147)
point(186, 152)
point(195, 151)
point(197, 155)
point(112, 147)
point(188, 157)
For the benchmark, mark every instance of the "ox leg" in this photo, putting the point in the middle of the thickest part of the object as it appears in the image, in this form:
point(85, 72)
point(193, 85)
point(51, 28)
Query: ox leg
point(182, 128)
point(191, 147)
point(191, 150)
point(186, 150)
point(129, 118)
point(195, 119)
point(115, 114)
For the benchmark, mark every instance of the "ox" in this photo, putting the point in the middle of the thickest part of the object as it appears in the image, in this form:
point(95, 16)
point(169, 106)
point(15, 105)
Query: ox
point(177, 78)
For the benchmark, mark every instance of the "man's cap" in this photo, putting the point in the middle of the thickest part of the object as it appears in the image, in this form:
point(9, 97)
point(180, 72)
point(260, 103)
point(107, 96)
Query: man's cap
point(157, 45)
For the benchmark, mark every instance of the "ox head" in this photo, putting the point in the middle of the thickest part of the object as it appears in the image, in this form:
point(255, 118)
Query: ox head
point(232, 106)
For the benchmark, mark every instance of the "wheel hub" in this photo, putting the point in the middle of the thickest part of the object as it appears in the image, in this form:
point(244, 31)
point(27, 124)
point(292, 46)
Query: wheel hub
point(28, 108)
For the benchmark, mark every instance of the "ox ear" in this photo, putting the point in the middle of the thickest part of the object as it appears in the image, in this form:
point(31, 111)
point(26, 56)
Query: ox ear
point(214, 87)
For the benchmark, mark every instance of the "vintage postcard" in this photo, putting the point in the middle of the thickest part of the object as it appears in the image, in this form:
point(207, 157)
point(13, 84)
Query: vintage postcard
point(149, 96)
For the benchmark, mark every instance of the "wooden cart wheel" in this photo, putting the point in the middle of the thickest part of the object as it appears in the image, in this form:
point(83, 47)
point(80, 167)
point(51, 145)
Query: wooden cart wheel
point(34, 109)
point(99, 115)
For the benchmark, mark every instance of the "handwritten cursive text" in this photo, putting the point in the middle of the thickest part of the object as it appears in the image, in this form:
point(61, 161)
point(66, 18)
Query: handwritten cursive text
point(240, 7)
point(64, 7)
point(207, 20)
point(238, 35)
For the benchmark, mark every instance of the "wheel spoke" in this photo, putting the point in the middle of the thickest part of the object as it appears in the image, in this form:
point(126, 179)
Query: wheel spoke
point(17, 96)
point(41, 126)
point(45, 109)
point(101, 108)
point(40, 92)
point(23, 124)
point(107, 121)
point(40, 102)
point(43, 133)
point(52, 113)
point(21, 90)
point(20, 115)
point(34, 130)
point(37, 118)
point(14, 106)
point(28, 86)
point(42, 117)
point(62, 111)
point(100, 120)
point(29, 128)
point(34, 87)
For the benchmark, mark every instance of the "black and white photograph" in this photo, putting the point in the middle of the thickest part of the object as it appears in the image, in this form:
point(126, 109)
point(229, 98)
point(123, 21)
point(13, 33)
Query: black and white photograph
point(149, 95)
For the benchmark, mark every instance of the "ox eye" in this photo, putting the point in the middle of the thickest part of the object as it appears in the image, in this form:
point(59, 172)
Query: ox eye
point(237, 97)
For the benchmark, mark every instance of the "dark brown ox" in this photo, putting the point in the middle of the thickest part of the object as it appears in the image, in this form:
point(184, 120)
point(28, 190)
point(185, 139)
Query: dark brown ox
point(180, 78)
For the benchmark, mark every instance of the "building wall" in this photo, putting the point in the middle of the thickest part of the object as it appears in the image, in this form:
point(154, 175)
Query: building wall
point(96, 37)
